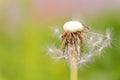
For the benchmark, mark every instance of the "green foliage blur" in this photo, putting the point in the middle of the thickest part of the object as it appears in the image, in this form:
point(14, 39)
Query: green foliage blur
point(23, 46)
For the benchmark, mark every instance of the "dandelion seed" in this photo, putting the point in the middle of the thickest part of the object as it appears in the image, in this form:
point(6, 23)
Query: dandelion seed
point(56, 31)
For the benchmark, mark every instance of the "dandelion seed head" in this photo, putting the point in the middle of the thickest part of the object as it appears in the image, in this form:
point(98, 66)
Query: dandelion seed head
point(77, 46)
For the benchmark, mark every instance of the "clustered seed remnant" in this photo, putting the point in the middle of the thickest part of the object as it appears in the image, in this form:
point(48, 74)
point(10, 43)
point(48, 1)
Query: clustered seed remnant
point(72, 40)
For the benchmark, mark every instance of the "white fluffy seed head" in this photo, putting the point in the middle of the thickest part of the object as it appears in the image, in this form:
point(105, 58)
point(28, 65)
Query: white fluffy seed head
point(73, 26)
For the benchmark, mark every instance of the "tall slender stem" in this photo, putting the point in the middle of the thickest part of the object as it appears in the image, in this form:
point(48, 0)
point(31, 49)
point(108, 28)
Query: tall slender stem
point(73, 67)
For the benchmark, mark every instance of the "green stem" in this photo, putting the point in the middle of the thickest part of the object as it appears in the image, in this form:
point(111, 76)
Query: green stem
point(73, 67)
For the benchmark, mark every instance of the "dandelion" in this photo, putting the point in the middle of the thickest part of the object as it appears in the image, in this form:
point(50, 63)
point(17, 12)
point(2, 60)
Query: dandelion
point(79, 45)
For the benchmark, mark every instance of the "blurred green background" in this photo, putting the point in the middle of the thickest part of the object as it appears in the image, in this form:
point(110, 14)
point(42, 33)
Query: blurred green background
point(25, 34)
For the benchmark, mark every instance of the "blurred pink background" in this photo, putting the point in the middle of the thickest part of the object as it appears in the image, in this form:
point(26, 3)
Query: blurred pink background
point(50, 8)
point(15, 10)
